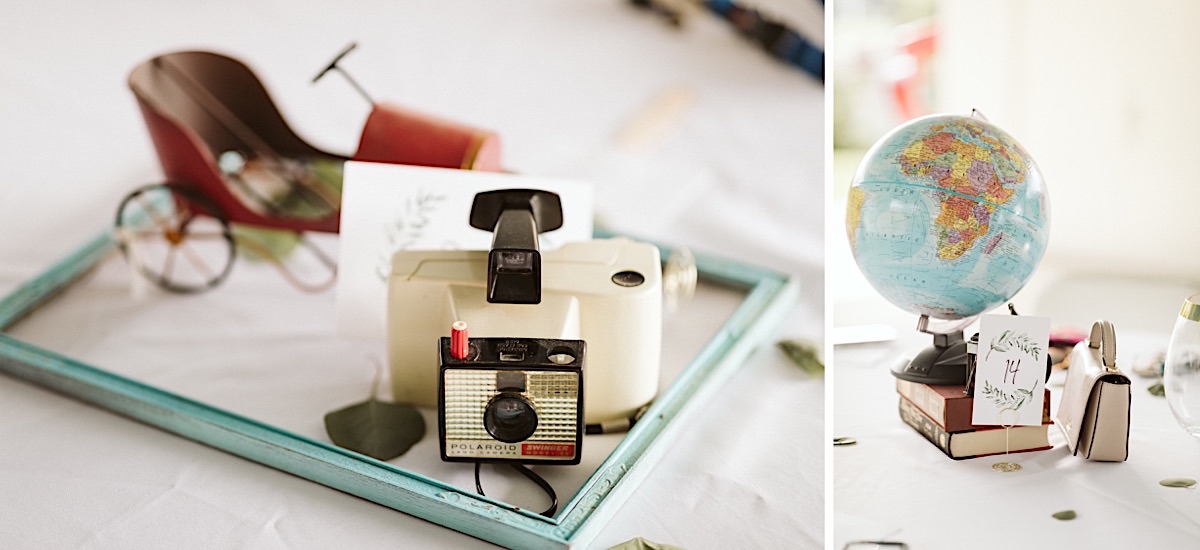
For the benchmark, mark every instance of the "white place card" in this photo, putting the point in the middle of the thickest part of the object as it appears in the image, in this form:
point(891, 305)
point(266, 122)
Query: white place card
point(390, 207)
point(1010, 370)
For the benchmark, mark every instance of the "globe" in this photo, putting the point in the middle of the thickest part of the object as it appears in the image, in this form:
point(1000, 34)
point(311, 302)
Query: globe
point(948, 216)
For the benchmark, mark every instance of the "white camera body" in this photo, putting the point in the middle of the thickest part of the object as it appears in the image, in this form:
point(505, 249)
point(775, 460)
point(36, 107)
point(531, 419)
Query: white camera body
point(606, 292)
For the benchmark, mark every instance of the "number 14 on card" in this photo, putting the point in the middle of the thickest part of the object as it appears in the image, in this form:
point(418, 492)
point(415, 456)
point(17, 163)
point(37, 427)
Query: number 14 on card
point(1005, 393)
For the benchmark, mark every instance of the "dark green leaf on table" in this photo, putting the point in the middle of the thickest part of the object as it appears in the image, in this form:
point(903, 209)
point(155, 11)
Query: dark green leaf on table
point(378, 429)
point(1157, 389)
point(1064, 515)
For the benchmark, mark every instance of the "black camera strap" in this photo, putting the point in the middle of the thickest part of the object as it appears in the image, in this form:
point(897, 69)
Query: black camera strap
point(545, 485)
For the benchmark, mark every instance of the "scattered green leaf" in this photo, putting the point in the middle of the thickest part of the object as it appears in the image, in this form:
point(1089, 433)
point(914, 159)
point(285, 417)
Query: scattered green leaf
point(844, 441)
point(640, 543)
point(1157, 389)
point(1185, 482)
point(1064, 515)
point(804, 355)
point(378, 429)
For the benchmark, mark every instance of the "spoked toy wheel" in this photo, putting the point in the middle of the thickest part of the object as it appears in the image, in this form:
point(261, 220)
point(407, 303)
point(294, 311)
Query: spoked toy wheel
point(175, 238)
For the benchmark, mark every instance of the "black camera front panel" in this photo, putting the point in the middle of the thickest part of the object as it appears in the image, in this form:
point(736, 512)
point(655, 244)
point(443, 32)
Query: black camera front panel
point(512, 400)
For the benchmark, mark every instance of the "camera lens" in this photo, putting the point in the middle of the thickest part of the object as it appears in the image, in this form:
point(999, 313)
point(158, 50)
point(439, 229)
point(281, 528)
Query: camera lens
point(510, 418)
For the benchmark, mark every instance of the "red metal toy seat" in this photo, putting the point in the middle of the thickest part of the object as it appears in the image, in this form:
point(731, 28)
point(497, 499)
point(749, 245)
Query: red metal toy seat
point(198, 105)
point(203, 109)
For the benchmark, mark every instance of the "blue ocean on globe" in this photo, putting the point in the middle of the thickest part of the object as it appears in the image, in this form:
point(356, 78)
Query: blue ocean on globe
point(948, 216)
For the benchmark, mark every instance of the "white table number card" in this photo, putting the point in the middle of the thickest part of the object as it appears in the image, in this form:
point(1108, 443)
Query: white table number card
point(390, 207)
point(1010, 370)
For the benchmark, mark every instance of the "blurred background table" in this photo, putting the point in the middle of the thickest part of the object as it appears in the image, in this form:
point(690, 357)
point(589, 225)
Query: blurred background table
point(738, 173)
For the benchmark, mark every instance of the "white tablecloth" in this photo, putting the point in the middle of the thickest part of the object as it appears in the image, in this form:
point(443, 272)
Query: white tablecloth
point(740, 174)
point(894, 485)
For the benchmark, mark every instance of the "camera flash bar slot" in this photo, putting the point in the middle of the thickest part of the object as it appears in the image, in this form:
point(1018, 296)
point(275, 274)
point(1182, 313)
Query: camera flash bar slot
point(512, 356)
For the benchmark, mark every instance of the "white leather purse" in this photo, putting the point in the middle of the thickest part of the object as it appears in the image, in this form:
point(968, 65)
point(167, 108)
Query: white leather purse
point(1094, 411)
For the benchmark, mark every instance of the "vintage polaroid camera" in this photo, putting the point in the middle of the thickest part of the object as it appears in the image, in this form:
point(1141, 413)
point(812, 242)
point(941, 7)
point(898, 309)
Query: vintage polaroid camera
point(510, 400)
point(606, 292)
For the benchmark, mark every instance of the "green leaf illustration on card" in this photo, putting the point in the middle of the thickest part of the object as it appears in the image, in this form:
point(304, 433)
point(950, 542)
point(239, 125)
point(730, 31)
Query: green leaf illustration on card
point(1010, 339)
point(407, 228)
point(378, 429)
point(1005, 400)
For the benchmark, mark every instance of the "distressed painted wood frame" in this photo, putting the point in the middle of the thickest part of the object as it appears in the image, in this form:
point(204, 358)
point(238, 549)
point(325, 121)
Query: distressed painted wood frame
point(769, 296)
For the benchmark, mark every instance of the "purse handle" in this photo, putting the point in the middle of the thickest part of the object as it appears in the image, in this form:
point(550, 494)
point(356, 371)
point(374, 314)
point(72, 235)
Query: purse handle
point(1104, 338)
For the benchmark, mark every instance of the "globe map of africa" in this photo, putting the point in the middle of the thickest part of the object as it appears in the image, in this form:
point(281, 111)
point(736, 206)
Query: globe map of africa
point(947, 216)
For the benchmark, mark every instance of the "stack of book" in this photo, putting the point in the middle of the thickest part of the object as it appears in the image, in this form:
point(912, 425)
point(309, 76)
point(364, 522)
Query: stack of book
point(943, 415)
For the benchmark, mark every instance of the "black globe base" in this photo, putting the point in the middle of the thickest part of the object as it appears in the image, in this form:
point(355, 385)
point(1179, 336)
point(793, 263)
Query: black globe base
point(942, 364)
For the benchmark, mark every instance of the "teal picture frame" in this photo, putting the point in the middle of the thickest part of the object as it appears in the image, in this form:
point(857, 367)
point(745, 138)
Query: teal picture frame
point(769, 297)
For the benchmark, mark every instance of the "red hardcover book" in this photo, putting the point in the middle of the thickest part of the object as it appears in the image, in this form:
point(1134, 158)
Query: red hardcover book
point(949, 406)
point(975, 443)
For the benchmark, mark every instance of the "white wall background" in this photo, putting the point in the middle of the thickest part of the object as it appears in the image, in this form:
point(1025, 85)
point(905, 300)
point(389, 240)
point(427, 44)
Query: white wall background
point(1103, 95)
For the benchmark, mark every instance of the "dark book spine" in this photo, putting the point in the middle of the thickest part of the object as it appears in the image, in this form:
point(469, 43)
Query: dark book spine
point(925, 426)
